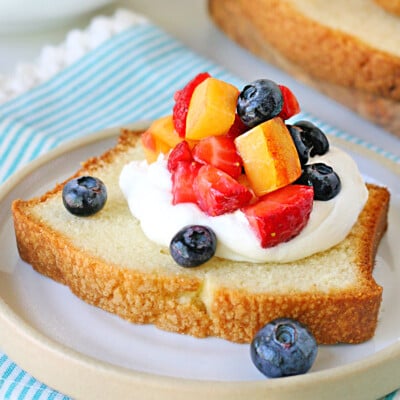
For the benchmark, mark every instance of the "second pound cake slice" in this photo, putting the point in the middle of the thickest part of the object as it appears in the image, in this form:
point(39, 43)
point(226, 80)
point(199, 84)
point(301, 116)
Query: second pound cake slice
point(347, 49)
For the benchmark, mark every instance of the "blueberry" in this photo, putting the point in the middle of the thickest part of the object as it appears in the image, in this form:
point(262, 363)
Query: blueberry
point(259, 101)
point(193, 245)
point(283, 347)
point(313, 138)
point(302, 148)
point(322, 178)
point(84, 196)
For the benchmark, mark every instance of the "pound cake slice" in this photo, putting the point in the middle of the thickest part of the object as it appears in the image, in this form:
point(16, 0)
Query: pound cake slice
point(392, 6)
point(106, 260)
point(347, 49)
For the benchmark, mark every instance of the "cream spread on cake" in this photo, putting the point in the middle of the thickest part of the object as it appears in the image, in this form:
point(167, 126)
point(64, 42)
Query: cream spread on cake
point(147, 188)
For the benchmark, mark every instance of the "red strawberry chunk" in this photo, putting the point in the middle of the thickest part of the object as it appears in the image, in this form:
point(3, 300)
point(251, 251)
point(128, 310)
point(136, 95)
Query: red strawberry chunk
point(220, 152)
point(290, 104)
point(218, 193)
point(182, 182)
point(182, 100)
point(181, 152)
point(237, 128)
point(280, 215)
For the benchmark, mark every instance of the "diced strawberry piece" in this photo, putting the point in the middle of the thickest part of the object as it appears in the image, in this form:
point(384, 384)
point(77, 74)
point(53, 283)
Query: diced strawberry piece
point(290, 104)
point(217, 192)
point(219, 151)
point(237, 128)
point(280, 215)
point(182, 100)
point(244, 180)
point(181, 152)
point(182, 182)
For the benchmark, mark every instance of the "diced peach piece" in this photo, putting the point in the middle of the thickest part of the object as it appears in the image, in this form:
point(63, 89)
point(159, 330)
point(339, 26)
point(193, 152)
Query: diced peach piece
point(163, 130)
point(160, 137)
point(149, 147)
point(269, 156)
point(211, 110)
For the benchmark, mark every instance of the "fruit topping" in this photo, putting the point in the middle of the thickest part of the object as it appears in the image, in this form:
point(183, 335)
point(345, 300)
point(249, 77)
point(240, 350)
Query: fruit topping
point(280, 215)
point(323, 179)
point(183, 177)
point(163, 130)
point(302, 148)
point(217, 192)
point(193, 245)
point(181, 152)
point(269, 156)
point(283, 347)
point(314, 138)
point(84, 196)
point(161, 137)
point(291, 106)
point(259, 101)
point(211, 110)
point(237, 128)
point(182, 100)
point(228, 150)
point(243, 180)
point(149, 146)
point(219, 151)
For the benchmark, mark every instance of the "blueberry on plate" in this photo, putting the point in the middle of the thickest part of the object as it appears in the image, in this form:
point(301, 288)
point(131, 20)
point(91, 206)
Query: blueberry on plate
point(313, 138)
point(193, 245)
point(259, 101)
point(323, 179)
point(283, 347)
point(84, 196)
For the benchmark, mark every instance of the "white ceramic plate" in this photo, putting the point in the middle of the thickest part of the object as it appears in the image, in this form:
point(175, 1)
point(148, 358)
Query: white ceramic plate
point(87, 353)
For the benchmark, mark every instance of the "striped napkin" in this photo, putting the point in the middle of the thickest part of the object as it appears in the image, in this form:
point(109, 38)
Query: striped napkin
point(120, 70)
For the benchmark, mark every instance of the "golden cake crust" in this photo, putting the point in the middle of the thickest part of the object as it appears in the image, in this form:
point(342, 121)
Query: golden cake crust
point(175, 301)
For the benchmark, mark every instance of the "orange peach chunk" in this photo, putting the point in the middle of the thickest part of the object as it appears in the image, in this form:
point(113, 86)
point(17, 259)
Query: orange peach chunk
point(211, 110)
point(163, 130)
point(160, 137)
point(149, 147)
point(269, 156)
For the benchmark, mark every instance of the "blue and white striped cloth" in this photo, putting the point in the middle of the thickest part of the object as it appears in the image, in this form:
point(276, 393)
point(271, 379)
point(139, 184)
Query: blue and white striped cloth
point(131, 76)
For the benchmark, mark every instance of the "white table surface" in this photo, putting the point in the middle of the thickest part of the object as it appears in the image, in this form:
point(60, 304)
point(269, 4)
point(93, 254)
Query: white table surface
point(188, 21)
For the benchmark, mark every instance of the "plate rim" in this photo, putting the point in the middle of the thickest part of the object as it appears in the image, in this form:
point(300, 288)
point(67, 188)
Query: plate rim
point(42, 356)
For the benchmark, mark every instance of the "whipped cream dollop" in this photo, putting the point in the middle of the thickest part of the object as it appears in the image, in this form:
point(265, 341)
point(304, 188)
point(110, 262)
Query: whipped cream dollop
point(147, 188)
